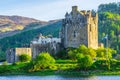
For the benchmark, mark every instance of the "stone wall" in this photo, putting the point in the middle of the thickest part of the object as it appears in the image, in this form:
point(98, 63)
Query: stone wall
point(19, 51)
point(12, 55)
point(49, 47)
point(80, 27)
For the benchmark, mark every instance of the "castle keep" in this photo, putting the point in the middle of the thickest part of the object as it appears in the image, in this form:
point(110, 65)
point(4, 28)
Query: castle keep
point(80, 27)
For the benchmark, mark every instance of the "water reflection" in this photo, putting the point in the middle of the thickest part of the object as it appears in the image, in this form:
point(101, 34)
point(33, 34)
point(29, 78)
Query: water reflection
point(59, 78)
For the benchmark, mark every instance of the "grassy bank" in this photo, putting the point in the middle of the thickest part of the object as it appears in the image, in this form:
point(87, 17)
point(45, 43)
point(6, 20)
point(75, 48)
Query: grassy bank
point(61, 67)
point(65, 72)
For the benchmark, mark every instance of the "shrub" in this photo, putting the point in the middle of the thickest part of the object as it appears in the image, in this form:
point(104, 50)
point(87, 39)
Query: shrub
point(42, 61)
point(102, 64)
point(84, 61)
point(24, 57)
point(4, 63)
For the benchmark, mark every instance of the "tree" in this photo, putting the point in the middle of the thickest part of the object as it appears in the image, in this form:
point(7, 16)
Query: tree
point(83, 50)
point(92, 53)
point(84, 61)
point(72, 54)
point(61, 54)
point(24, 57)
point(105, 53)
point(42, 61)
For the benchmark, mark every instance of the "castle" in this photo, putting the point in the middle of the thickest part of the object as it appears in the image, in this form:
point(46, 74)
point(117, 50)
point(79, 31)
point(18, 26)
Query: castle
point(45, 44)
point(80, 27)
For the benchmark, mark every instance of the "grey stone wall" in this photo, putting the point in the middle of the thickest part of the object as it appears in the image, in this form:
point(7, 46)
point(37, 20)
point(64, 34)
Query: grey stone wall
point(80, 27)
point(51, 48)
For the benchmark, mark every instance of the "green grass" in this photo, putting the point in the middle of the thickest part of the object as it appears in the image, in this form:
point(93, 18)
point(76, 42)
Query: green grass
point(66, 61)
point(62, 67)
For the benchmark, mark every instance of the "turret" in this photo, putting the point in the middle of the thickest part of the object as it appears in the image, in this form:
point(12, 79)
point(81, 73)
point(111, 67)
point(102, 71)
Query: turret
point(74, 8)
point(83, 11)
point(89, 13)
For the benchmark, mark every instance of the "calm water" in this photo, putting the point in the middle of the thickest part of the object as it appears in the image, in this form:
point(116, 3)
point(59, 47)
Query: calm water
point(58, 78)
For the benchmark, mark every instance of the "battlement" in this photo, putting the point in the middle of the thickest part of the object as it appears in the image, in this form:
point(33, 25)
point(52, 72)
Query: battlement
point(88, 13)
point(83, 11)
point(80, 27)
point(74, 8)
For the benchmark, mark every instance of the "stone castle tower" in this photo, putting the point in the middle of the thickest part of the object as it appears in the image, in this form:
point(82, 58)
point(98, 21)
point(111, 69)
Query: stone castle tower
point(80, 27)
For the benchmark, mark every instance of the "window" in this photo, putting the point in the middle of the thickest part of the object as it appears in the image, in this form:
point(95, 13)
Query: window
point(75, 34)
point(90, 28)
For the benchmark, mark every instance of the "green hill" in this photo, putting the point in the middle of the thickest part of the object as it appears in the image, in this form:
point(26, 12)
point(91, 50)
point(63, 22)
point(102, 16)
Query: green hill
point(109, 23)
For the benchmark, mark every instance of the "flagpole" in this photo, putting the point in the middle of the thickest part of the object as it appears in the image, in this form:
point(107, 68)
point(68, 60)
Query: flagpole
point(107, 52)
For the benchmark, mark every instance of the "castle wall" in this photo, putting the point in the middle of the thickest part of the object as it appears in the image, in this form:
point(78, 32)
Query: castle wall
point(93, 32)
point(80, 27)
point(20, 51)
point(51, 48)
point(12, 55)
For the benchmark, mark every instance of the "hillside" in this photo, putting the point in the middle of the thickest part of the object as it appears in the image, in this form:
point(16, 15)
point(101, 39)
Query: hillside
point(109, 23)
point(23, 39)
point(12, 24)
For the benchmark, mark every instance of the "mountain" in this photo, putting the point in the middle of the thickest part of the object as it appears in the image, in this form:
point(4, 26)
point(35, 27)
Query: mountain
point(10, 25)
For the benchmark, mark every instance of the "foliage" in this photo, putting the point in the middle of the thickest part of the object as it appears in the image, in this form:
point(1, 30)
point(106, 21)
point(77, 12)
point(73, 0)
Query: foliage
point(105, 52)
point(2, 55)
point(65, 61)
point(109, 23)
point(24, 57)
point(117, 57)
point(110, 7)
point(61, 54)
point(83, 50)
point(86, 56)
point(42, 61)
point(4, 63)
point(12, 68)
point(84, 61)
point(72, 54)
point(101, 64)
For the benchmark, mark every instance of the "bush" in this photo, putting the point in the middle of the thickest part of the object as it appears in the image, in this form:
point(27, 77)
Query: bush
point(42, 61)
point(102, 64)
point(61, 55)
point(24, 57)
point(84, 61)
point(5, 63)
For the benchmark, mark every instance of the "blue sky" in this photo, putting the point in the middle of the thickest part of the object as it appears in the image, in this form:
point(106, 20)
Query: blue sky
point(46, 9)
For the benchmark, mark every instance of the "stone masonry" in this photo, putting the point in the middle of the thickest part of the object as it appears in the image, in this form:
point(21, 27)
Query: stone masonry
point(12, 55)
point(80, 27)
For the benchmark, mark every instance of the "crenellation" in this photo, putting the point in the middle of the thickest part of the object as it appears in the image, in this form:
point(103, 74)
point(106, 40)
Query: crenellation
point(80, 28)
point(84, 12)
point(74, 8)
